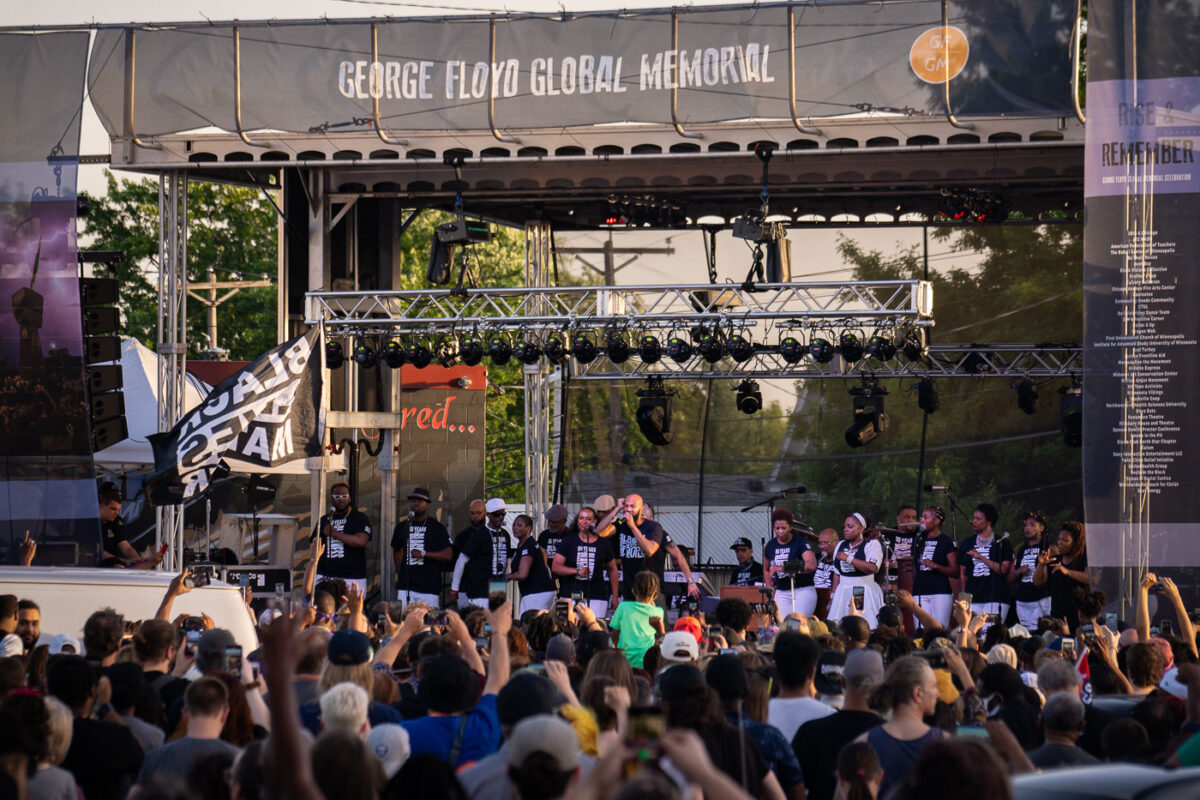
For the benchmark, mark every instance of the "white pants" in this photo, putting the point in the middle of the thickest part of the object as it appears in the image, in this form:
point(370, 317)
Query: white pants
point(466, 602)
point(361, 583)
point(1028, 613)
point(406, 596)
point(798, 601)
point(541, 601)
point(937, 605)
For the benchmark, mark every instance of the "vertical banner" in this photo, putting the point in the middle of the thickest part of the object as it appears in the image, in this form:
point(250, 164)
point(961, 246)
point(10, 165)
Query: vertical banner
point(47, 479)
point(1142, 286)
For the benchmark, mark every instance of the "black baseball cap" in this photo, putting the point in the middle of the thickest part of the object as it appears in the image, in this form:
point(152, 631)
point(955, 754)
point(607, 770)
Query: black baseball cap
point(741, 541)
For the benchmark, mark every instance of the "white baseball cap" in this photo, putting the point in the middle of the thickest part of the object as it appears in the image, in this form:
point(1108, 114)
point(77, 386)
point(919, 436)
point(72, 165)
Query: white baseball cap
point(390, 744)
point(494, 505)
point(679, 646)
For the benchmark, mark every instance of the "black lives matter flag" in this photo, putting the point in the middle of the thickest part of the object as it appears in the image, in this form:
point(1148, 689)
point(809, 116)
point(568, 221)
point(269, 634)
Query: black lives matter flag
point(265, 418)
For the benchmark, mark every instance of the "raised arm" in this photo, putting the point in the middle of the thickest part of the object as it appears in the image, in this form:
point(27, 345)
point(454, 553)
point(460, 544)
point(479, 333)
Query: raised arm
point(174, 589)
point(1181, 616)
point(498, 666)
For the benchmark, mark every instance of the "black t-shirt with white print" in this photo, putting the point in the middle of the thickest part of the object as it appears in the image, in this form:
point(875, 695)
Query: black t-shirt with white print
point(595, 557)
point(420, 574)
point(487, 551)
point(341, 560)
point(1024, 589)
point(928, 581)
point(539, 579)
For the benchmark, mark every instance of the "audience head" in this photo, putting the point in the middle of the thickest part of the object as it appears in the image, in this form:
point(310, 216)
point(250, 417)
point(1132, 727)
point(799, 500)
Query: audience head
point(448, 685)
point(344, 708)
point(858, 772)
point(102, 634)
point(543, 757)
point(796, 658)
point(1063, 714)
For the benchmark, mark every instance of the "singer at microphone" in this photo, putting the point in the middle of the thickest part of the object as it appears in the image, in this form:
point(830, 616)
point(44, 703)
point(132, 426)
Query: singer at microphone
point(420, 549)
point(984, 562)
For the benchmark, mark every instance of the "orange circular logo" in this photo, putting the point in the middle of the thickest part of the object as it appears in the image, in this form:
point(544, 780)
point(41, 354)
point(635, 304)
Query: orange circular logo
point(939, 54)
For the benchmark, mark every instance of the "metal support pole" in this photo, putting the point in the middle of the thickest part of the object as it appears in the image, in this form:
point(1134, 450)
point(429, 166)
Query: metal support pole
point(172, 338)
point(538, 406)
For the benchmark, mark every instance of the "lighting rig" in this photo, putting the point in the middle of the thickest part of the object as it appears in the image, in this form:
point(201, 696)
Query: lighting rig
point(769, 238)
point(870, 420)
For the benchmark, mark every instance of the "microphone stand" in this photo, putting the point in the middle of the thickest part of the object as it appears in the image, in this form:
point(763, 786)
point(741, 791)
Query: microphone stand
point(954, 506)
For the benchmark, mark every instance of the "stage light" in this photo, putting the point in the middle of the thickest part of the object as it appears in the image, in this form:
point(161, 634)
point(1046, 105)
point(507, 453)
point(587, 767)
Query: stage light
point(1071, 420)
point(334, 356)
point(650, 349)
point(556, 348)
point(710, 347)
point(446, 351)
point(821, 350)
point(927, 396)
point(881, 348)
point(870, 420)
point(418, 354)
point(393, 355)
point(528, 351)
point(679, 349)
point(1027, 396)
point(584, 348)
point(850, 347)
point(499, 350)
point(913, 346)
point(654, 413)
point(741, 348)
point(792, 350)
point(470, 350)
point(364, 355)
point(749, 398)
point(616, 348)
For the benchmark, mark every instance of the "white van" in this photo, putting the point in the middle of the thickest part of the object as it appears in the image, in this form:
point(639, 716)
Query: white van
point(67, 596)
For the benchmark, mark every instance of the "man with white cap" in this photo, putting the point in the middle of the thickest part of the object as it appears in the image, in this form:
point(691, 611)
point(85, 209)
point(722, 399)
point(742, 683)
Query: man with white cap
point(484, 558)
point(389, 742)
point(543, 757)
point(678, 647)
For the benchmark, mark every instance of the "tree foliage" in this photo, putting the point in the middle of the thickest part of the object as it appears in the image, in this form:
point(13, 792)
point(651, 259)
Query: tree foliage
point(230, 229)
point(1026, 288)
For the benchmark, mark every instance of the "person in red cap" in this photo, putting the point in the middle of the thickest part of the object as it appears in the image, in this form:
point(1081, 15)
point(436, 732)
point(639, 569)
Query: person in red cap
point(692, 626)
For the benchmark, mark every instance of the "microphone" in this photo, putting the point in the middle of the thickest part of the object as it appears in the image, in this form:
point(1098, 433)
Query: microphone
point(1001, 538)
point(933, 487)
point(920, 527)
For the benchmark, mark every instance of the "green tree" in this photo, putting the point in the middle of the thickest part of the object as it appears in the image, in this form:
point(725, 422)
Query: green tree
point(1025, 288)
point(230, 229)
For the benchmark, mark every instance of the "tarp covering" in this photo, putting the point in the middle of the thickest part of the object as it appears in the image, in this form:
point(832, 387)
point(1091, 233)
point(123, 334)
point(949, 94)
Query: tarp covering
point(1006, 57)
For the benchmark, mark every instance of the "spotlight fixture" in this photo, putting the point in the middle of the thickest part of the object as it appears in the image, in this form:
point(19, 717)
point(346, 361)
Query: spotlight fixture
point(334, 355)
point(499, 350)
point(584, 348)
point(1071, 420)
point(821, 350)
point(927, 396)
point(881, 348)
point(679, 349)
point(792, 350)
point(870, 420)
point(654, 412)
point(470, 350)
point(364, 355)
point(616, 348)
point(446, 351)
point(393, 355)
point(741, 348)
point(710, 347)
point(913, 346)
point(528, 351)
point(650, 349)
point(418, 354)
point(1027, 396)
point(749, 398)
point(556, 348)
point(851, 347)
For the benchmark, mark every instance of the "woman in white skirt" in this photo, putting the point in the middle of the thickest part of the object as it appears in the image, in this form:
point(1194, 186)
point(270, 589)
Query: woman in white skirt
point(856, 559)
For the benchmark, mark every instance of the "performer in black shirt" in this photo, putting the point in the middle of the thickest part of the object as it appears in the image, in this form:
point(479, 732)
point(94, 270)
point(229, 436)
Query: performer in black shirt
point(420, 551)
point(345, 532)
point(748, 571)
point(530, 569)
point(484, 558)
point(936, 562)
point(983, 562)
point(477, 515)
point(827, 541)
point(1033, 601)
point(903, 563)
point(586, 564)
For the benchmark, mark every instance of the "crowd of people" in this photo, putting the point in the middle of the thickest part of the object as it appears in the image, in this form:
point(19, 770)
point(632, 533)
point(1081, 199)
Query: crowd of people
point(847, 683)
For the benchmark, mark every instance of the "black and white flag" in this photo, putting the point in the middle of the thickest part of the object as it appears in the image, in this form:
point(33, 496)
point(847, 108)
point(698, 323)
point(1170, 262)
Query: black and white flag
point(267, 417)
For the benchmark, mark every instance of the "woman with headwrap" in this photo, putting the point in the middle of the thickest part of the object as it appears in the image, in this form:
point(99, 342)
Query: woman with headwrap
point(856, 559)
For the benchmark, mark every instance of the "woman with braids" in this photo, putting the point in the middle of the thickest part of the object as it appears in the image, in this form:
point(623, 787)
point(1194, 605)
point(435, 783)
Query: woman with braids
point(1032, 601)
point(1063, 568)
point(858, 772)
point(910, 691)
point(856, 559)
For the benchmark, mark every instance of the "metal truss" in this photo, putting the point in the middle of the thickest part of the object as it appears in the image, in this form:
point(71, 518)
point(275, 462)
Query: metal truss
point(172, 338)
point(858, 303)
point(1010, 360)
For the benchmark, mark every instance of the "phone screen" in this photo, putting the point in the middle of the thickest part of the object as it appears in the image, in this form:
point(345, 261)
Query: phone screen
point(792, 625)
point(562, 610)
point(193, 638)
point(233, 660)
point(646, 727)
point(1164, 626)
point(382, 622)
point(859, 596)
point(497, 587)
point(1112, 621)
point(1068, 650)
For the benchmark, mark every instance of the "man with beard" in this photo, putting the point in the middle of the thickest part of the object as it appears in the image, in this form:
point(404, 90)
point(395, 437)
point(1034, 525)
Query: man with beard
point(420, 550)
point(29, 624)
point(476, 514)
point(641, 544)
point(345, 532)
point(484, 558)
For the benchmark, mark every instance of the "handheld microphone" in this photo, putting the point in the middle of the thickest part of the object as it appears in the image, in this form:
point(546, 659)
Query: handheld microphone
point(1001, 537)
point(920, 527)
point(933, 487)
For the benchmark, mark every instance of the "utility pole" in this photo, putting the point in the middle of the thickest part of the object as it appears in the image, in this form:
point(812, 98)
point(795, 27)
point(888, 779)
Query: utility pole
point(609, 272)
point(212, 301)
